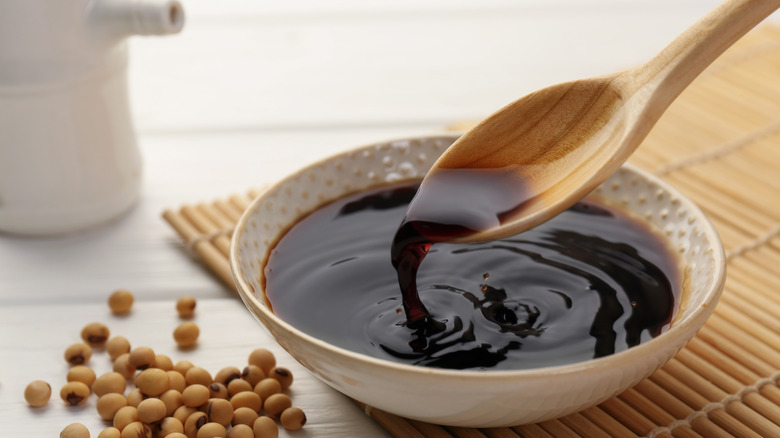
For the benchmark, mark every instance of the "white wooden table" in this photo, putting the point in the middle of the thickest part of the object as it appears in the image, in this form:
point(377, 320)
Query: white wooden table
point(249, 92)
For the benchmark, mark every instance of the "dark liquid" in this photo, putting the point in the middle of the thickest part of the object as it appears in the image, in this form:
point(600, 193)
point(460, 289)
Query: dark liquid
point(588, 283)
point(450, 203)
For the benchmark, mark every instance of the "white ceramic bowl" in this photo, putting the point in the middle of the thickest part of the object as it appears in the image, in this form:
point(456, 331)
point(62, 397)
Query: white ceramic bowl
point(472, 398)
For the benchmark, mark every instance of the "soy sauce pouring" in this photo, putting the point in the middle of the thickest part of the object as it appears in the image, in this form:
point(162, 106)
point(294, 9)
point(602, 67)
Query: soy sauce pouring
point(539, 155)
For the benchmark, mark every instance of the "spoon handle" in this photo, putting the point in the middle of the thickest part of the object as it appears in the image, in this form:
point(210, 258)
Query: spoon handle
point(676, 66)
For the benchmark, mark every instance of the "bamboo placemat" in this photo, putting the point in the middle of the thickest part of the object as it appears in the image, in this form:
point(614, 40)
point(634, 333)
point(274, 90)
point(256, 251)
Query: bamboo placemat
point(720, 144)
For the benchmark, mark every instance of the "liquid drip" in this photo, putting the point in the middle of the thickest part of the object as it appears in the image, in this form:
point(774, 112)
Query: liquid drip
point(450, 203)
point(588, 283)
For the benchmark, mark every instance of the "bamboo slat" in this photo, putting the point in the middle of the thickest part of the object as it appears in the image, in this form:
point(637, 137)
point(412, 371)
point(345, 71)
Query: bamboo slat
point(719, 144)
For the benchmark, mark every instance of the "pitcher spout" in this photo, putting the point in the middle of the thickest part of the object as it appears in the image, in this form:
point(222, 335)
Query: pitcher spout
point(123, 18)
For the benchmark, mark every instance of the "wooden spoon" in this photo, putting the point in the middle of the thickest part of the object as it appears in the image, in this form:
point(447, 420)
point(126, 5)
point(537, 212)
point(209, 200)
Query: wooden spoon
point(542, 153)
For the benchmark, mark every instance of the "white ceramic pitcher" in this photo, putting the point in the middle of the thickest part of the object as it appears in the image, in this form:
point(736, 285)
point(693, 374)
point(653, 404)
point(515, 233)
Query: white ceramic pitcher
point(68, 153)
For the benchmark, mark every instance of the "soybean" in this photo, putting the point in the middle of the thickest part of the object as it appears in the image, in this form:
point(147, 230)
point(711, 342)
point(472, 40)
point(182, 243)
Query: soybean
point(170, 425)
point(183, 412)
point(135, 397)
point(151, 410)
point(267, 387)
point(109, 404)
point(293, 418)
point(74, 393)
point(163, 362)
point(253, 374)
point(283, 375)
point(265, 427)
point(186, 334)
point(176, 380)
point(219, 411)
point(185, 305)
point(110, 432)
point(276, 404)
point(173, 400)
point(125, 416)
point(109, 382)
point(262, 358)
point(198, 375)
point(152, 381)
point(246, 416)
point(117, 346)
point(81, 373)
point(238, 385)
point(195, 422)
point(182, 366)
point(120, 302)
point(247, 399)
point(212, 430)
point(95, 334)
point(242, 431)
point(141, 358)
point(75, 430)
point(218, 390)
point(123, 367)
point(78, 354)
point(226, 375)
point(37, 393)
point(137, 429)
point(195, 395)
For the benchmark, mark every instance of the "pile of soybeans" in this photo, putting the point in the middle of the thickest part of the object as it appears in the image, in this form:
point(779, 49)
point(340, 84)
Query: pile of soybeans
point(148, 395)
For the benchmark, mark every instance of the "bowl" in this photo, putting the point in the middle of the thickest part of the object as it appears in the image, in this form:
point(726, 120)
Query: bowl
point(472, 398)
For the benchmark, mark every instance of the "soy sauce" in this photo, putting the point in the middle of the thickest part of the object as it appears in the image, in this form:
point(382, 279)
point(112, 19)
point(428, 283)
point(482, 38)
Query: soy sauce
point(450, 203)
point(590, 282)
